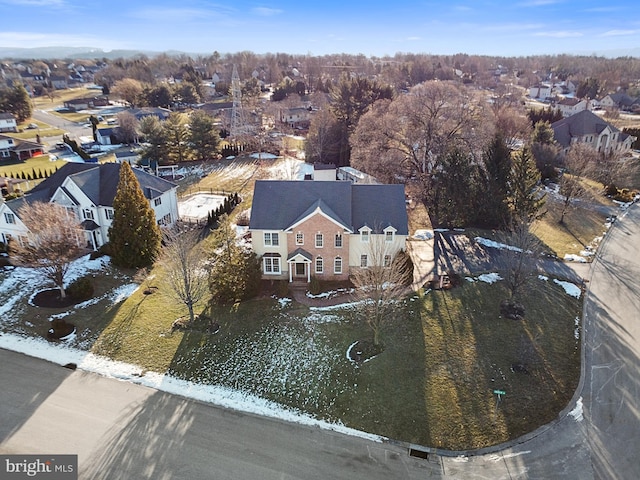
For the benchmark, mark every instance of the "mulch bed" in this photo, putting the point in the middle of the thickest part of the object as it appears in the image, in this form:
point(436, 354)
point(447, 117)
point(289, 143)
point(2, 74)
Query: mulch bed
point(51, 299)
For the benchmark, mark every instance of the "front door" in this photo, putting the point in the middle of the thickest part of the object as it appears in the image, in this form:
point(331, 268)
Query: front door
point(300, 270)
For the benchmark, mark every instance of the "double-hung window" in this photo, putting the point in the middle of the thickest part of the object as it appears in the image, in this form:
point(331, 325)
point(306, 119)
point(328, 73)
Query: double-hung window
point(338, 243)
point(319, 265)
point(319, 240)
point(271, 239)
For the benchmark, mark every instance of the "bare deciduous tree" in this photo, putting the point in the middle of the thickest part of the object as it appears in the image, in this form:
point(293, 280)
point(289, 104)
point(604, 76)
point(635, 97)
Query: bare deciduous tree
point(579, 164)
point(519, 258)
point(185, 273)
point(52, 243)
point(381, 284)
point(127, 127)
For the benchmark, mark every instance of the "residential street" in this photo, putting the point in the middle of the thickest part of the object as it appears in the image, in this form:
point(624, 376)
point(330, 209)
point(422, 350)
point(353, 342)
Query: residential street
point(123, 430)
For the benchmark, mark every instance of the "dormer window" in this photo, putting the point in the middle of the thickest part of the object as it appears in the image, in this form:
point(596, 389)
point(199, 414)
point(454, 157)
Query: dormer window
point(389, 234)
point(365, 234)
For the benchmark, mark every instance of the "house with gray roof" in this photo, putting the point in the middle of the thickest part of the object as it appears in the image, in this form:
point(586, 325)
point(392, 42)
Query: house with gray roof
point(324, 229)
point(8, 122)
point(87, 191)
point(587, 127)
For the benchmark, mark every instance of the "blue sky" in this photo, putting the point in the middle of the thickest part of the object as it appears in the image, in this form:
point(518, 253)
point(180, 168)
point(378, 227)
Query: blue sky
point(373, 27)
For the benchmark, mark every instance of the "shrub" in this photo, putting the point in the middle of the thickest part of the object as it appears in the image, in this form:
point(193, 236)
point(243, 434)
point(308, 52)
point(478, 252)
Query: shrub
point(282, 288)
point(314, 286)
point(81, 289)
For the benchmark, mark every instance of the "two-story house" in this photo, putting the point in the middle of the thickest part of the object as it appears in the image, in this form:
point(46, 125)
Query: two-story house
point(301, 229)
point(587, 127)
point(8, 122)
point(88, 190)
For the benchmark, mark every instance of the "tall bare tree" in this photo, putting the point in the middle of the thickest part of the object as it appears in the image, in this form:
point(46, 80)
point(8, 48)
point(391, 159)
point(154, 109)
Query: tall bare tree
point(185, 273)
point(52, 243)
point(519, 258)
point(579, 163)
point(380, 284)
point(127, 127)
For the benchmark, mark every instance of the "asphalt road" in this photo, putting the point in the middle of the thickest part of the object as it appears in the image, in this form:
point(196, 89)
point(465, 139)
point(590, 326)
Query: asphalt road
point(122, 430)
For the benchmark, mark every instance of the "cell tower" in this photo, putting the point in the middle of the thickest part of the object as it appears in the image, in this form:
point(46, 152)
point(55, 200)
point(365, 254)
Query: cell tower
point(237, 115)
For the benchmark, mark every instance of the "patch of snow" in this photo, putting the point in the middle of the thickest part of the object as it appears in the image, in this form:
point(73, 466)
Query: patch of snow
point(493, 244)
point(576, 412)
point(423, 234)
point(544, 278)
point(570, 257)
point(489, 278)
point(570, 288)
point(263, 156)
point(283, 302)
point(470, 279)
point(222, 396)
point(440, 229)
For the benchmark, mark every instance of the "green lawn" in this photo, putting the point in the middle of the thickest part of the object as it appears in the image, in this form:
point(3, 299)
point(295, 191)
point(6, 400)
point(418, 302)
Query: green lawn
point(444, 354)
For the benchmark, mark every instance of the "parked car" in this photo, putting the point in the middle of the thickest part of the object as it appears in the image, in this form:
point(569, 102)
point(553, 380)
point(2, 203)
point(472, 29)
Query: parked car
point(31, 126)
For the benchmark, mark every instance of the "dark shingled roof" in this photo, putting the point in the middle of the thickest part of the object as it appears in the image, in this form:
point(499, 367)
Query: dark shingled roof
point(98, 181)
point(278, 204)
point(578, 125)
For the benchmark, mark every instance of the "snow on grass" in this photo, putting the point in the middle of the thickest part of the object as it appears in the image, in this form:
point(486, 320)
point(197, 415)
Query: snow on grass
point(570, 288)
point(570, 257)
point(215, 394)
point(290, 169)
point(544, 278)
point(330, 293)
point(493, 244)
point(489, 278)
point(423, 234)
point(263, 156)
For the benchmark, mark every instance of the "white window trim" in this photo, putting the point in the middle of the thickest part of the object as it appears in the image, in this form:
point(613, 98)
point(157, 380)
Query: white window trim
point(321, 237)
point(335, 240)
point(365, 234)
point(319, 262)
point(336, 261)
point(271, 237)
point(301, 235)
point(275, 262)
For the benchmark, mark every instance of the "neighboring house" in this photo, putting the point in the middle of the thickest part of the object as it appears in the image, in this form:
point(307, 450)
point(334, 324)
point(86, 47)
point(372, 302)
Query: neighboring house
point(324, 171)
point(587, 127)
point(8, 123)
point(105, 136)
point(140, 113)
point(128, 156)
point(18, 149)
point(86, 103)
point(296, 117)
point(571, 106)
point(324, 229)
point(59, 82)
point(621, 101)
point(540, 92)
point(88, 190)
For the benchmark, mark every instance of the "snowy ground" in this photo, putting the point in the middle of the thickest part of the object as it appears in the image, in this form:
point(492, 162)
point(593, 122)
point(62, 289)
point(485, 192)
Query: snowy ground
point(199, 205)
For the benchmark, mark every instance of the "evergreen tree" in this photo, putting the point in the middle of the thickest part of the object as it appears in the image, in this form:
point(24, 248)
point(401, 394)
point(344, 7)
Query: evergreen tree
point(235, 272)
point(203, 135)
point(525, 198)
point(494, 204)
point(134, 235)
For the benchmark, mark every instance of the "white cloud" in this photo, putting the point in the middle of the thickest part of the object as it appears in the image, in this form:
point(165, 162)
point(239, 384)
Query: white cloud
point(266, 11)
point(559, 34)
point(619, 33)
point(39, 39)
point(413, 39)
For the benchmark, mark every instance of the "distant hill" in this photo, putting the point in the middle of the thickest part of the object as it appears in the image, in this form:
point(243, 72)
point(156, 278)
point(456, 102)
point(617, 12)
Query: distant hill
point(74, 53)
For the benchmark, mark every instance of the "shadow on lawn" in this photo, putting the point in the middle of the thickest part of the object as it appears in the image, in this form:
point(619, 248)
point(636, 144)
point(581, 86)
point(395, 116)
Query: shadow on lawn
point(535, 361)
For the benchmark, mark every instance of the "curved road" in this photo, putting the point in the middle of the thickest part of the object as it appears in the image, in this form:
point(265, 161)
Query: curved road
point(123, 430)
